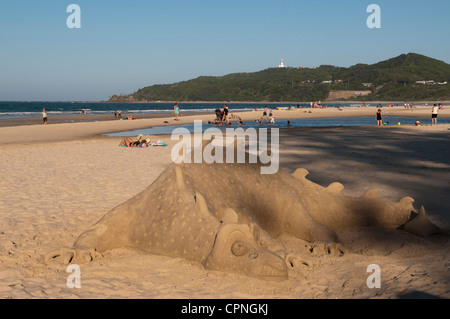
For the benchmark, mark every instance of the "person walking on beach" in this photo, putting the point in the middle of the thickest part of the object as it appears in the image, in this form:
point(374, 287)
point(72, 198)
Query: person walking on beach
point(434, 114)
point(379, 118)
point(176, 111)
point(44, 116)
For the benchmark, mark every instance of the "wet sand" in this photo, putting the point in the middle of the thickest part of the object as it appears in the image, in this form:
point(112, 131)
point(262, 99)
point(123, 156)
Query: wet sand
point(59, 119)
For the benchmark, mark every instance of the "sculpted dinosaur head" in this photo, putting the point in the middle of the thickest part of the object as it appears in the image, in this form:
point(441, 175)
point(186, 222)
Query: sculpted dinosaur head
point(236, 250)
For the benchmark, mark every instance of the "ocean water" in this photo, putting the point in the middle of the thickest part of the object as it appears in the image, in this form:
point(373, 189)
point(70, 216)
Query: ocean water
point(317, 122)
point(34, 109)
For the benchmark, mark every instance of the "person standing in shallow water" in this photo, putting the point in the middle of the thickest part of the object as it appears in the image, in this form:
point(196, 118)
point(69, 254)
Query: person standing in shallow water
point(379, 118)
point(434, 114)
point(44, 116)
point(225, 114)
point(176, 110)
point(265, 113)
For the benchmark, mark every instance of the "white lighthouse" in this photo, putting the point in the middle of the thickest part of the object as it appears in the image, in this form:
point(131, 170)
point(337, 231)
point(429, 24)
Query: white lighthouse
point(282, 64)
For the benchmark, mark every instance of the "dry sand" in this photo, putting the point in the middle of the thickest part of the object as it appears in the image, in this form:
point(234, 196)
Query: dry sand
point(59, 179)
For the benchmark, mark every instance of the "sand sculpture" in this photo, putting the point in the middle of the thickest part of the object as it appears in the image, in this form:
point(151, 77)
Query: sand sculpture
point(228, 216)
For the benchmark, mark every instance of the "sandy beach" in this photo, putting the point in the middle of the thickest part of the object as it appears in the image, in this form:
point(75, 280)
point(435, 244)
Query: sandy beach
point(61, 178)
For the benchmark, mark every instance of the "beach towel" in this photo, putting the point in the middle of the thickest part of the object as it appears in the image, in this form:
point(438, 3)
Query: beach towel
point(159, 143)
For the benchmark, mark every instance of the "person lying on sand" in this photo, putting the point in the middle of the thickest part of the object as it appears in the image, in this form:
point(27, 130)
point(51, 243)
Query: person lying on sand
point(126, 141)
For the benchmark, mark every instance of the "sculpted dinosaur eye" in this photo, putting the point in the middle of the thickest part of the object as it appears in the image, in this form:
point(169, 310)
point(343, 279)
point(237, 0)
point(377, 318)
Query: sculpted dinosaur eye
point(238, 248)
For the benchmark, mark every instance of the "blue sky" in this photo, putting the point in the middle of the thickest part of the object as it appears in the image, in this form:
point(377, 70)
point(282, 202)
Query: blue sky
point(126, 45)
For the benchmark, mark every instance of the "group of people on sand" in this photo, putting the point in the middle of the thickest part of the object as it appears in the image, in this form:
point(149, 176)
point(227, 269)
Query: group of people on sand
point(380, 105)
point(318, 105)
point(45, 116)
point(267, 116)
point(434, 113)
point(225, 117)
point(118, 114)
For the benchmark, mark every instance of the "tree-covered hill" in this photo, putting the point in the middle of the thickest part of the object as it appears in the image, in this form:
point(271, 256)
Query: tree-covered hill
point(393, 79)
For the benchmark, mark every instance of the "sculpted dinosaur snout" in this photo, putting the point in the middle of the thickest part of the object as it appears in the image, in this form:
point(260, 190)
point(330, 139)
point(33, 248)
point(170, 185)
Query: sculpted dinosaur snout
point(235, 250)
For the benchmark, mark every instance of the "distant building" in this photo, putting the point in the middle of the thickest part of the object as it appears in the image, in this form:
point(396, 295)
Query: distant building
point(367, 85)
point(327, 82)
point(282, 64)
point(426, 82)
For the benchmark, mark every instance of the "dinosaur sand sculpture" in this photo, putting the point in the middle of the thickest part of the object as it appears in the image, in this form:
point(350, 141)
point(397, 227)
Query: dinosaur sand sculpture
point(227, 217)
